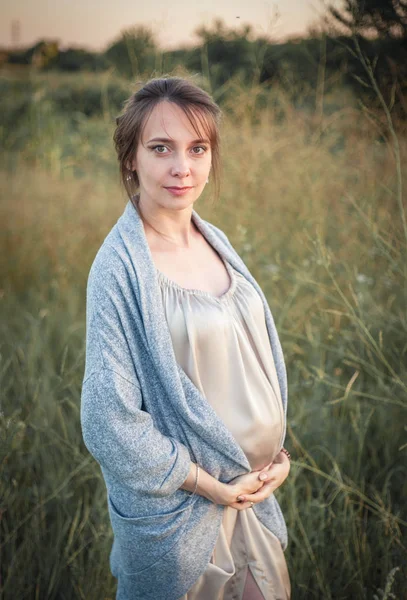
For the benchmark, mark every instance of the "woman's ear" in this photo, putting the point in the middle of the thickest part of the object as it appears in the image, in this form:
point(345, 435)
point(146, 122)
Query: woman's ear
point(131, 165)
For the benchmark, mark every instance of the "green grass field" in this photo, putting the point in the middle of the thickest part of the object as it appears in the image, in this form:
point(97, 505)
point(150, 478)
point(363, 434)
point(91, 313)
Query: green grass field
point(314, 204)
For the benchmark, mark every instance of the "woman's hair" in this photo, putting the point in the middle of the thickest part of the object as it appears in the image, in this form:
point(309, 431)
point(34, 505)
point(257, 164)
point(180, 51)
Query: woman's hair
point(197, 105)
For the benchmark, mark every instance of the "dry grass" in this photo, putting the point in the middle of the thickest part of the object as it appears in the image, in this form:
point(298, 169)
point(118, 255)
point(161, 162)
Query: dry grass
point(312, 207)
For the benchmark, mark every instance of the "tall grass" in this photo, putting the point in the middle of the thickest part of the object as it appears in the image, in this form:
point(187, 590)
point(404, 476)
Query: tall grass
point(312, 204)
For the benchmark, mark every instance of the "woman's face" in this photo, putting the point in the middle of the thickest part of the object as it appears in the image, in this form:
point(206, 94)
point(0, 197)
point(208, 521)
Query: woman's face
point(171, 156)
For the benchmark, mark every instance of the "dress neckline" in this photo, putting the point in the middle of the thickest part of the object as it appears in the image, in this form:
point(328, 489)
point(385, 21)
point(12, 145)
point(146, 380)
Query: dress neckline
point(197, 292)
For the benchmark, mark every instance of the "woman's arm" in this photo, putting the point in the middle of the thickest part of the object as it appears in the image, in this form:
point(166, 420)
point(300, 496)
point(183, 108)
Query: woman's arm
point(124, 440)
point(120, 435)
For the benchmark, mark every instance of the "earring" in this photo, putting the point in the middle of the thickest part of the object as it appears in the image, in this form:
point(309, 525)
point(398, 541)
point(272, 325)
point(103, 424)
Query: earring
point(130, 177)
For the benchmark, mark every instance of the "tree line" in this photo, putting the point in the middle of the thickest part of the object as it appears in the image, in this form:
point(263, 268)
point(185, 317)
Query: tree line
point(222, 53)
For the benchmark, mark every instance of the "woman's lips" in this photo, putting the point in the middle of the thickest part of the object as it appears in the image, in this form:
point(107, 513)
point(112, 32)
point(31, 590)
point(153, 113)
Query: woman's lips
point(178, 191)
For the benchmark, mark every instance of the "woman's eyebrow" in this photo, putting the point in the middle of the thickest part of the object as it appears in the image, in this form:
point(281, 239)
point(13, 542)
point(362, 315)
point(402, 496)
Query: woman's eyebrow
point(198, 141)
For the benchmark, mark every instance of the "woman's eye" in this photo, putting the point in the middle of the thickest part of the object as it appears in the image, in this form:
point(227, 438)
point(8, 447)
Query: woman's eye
point(201, 147)
point(156, 147)
point(159, 149)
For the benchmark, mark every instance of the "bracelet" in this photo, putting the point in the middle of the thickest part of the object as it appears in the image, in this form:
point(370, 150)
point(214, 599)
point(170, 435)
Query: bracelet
point(196, 479)
point(286, 452)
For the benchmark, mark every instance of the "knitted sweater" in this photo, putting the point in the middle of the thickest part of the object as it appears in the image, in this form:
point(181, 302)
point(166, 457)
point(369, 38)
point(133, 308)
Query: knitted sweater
point(144, 421)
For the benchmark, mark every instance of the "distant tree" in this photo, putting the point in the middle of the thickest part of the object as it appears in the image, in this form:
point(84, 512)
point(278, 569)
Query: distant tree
point(41, 55)
point(77, 59)
point(386, 22)
point(383, 18)
point(225, 52)
point(134, 52)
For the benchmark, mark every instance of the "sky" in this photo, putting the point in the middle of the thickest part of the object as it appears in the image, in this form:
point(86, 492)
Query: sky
point(93, 24)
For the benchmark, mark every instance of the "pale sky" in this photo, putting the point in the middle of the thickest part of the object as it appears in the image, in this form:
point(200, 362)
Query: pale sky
point(95, 23)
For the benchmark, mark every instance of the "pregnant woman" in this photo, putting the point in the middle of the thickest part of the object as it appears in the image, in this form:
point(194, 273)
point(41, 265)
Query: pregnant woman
point(184, 397)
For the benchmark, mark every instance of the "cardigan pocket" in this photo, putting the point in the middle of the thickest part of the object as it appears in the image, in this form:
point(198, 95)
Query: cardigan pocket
point(154, 534)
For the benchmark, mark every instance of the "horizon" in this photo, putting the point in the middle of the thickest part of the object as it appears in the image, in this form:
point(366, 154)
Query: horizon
point(73, 24)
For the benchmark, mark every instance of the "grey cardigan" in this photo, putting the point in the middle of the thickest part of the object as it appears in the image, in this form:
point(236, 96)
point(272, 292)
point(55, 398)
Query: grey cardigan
point(144, 421)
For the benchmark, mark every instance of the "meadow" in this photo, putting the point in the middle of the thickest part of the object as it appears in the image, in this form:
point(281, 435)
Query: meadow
point(313, 201)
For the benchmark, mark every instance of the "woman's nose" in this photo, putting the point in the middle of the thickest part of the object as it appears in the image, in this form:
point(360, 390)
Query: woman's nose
point(180, 168)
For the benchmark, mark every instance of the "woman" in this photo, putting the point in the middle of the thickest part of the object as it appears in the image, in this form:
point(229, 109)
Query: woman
point(184, 395)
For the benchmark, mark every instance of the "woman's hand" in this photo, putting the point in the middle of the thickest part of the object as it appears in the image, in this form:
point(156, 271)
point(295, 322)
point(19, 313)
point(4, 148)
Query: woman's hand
point(277, 473)
point(250, 487)
point(243, 484)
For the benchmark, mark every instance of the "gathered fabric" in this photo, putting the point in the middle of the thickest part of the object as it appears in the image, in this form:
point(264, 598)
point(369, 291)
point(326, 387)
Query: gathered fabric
point(144, 420)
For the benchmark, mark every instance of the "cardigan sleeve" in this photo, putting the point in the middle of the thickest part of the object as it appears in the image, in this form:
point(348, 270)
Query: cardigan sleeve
point(123, 439)
point(116, 430)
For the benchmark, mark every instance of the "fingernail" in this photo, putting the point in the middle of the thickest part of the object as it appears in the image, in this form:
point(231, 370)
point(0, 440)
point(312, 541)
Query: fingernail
point(240, 497)
point(263, 476)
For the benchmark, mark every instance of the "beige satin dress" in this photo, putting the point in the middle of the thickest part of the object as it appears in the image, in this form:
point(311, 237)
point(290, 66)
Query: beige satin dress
point(222, 345)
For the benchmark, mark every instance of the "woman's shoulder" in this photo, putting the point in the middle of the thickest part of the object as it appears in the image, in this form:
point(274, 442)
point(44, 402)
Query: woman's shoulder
point(109, 266)
point(218, 231)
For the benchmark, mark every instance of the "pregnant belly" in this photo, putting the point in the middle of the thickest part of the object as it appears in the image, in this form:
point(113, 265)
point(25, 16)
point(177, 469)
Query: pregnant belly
point(260, 441)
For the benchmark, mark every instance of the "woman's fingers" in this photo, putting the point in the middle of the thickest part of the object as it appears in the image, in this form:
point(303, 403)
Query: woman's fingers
point(241, 505)
point(259, 496)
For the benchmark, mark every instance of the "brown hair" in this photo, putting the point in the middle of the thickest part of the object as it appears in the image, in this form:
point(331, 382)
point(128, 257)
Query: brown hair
point(194, 101)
